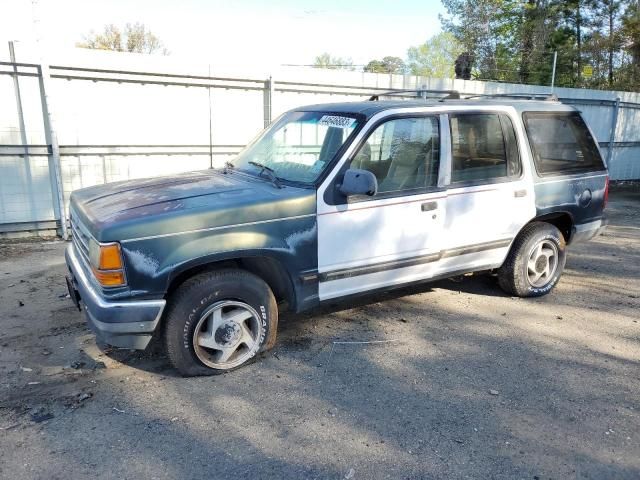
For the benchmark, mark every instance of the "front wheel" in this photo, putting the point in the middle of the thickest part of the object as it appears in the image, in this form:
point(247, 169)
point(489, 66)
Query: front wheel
point(219, 321)
point(535, 262)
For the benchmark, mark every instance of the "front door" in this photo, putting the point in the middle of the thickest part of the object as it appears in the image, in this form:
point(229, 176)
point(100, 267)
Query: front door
point(395, 236)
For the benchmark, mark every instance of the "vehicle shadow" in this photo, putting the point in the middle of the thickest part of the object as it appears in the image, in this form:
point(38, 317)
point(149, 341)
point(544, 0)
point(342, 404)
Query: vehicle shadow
point(154, 359)
point(458, 393)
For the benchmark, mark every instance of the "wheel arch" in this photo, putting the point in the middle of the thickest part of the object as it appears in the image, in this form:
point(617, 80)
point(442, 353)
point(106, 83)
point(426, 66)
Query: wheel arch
point(562, 220)
point(270, 269)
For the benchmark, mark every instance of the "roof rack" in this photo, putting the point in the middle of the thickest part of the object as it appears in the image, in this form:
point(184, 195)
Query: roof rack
point(420, 93)
point(455, 95)
point(551, 97)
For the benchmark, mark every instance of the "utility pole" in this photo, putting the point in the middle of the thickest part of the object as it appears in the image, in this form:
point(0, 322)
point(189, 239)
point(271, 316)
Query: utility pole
point(553, 71)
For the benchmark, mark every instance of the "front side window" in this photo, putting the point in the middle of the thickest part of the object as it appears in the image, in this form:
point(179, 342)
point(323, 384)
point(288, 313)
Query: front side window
point(403, 154)
point(299, 146)
point(561, 143)
point(480, 151)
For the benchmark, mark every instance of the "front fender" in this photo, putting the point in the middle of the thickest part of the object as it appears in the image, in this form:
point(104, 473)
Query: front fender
point(152, 263)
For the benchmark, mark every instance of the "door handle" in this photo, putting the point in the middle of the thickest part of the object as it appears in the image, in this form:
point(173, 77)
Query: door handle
point(428, 206)
point(520, 193)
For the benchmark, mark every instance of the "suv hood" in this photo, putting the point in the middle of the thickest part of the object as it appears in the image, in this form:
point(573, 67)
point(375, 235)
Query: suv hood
point(184, 202)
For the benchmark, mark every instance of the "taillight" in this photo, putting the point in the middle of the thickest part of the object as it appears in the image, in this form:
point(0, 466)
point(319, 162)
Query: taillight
point(606, 192)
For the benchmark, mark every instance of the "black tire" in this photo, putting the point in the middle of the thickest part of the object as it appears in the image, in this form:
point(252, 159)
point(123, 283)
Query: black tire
point(514, 275)
point(204, 292)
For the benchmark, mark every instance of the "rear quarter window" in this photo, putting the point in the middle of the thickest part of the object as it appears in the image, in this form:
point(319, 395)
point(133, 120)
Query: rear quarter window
point(561, 143)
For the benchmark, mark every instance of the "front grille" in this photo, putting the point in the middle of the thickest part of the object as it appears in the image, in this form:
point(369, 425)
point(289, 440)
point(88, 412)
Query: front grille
point(80, 237)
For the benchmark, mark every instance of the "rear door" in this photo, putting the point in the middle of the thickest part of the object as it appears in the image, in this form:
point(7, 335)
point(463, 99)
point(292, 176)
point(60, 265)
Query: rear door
point(489, 195)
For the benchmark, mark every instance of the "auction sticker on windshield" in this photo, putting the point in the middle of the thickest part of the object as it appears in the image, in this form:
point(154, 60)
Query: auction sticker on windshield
point(336, 121)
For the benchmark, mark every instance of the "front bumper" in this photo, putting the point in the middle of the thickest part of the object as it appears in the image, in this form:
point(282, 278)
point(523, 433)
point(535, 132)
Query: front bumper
point(127, 324)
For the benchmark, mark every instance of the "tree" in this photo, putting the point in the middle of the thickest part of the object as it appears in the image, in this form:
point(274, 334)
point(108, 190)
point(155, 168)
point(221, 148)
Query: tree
point(386, 65)
point(375, 66)
point(325, 60)
point(435, 57)
point(630, 69)
point(463, 66)
point(534, 39)
point(515, 40)
point(135, 39)
point(489, 30)
point(603, 42)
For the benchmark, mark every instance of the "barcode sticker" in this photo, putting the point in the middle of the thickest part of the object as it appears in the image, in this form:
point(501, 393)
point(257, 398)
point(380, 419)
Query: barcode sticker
point(336, 121)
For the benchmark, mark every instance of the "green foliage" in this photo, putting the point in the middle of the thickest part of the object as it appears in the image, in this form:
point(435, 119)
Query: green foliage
point(135, 39)
point(629, 74)
point(325, 60)
point(597, 41)
point(386, 65)
point(483, 27)
point(435, 57)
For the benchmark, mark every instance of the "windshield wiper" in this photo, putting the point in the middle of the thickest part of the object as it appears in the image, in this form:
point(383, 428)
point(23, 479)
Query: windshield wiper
point(228, 165)
point(270, 173)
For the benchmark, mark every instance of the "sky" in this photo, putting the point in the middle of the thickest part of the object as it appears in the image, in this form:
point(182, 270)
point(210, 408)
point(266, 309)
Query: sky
point(267, 32)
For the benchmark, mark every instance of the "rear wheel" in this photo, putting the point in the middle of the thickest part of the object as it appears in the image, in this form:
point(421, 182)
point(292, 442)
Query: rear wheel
point(535, 263)
point(219, 321)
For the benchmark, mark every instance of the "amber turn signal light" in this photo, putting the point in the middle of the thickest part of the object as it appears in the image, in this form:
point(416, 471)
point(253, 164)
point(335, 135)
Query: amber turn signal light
point(110, 257)
point(107, 264)
point(109, 278)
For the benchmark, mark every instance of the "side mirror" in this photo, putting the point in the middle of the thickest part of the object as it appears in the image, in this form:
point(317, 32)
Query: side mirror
point(359, 182)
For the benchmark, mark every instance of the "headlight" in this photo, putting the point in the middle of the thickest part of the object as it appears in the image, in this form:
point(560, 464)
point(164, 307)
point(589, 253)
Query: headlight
point(107, 264)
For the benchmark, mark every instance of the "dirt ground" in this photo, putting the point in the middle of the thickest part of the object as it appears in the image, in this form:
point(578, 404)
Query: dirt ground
point(471, 383)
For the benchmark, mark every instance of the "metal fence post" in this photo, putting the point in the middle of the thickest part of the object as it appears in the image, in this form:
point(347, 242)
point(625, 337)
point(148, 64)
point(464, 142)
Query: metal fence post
point(53, 149)
point(269, 89)
point(612, 135)
point(16, 87)
point(23, 129)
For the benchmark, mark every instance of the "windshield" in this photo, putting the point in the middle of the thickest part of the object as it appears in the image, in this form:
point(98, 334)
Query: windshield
point(298, 146)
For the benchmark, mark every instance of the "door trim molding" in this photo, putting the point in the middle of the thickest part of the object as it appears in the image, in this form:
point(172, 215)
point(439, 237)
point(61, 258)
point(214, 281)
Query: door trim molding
point(480, 247)
point(378, 267)
point(342, 273)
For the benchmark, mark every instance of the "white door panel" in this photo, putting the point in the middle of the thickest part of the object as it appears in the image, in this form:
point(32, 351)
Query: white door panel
point(487, 213)
point(396, 237)
point(371, 232)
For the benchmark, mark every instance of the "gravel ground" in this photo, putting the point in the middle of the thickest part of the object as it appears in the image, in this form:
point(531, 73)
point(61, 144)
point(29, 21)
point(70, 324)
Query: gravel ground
point(471, 383)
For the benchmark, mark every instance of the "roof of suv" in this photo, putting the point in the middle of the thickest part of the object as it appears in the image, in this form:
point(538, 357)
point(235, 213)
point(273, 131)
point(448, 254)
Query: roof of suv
point(370, 108)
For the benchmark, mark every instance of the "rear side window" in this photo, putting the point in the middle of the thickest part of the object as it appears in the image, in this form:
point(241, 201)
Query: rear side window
point(483, 148)
point(561, 143)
